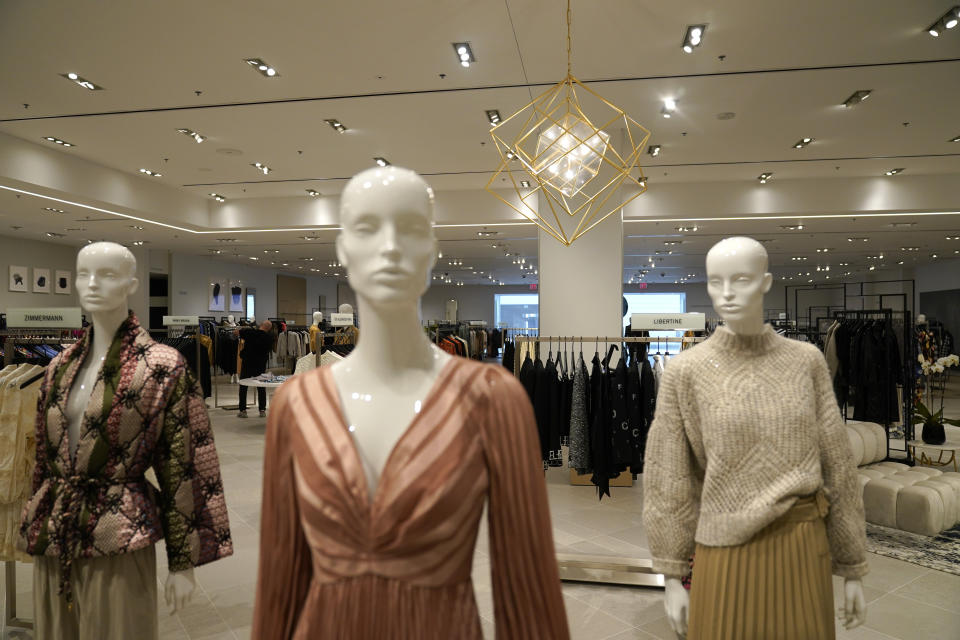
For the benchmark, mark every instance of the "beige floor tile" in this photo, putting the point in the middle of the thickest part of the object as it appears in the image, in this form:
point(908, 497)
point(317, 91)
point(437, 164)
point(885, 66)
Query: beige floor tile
point(235, 605)
point(860, 633)
point(869, 593)
point(935, 588)
point(908, 619)
point(633, 605)
point(632, 634)
point(590, 623)
point(660, 628)
point(888, 574)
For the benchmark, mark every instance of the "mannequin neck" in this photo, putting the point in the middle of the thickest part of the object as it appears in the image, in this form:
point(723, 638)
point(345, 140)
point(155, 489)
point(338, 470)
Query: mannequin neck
point(105, 325)
point(749, 325)
point(392, 339)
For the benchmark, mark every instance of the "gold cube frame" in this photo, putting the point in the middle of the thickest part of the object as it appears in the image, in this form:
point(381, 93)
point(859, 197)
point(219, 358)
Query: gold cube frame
point(552, 143)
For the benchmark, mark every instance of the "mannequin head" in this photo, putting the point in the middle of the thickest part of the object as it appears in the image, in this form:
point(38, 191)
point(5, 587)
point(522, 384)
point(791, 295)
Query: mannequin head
point(737, 280)
point(345, 308)
point(317, 318)
point(231, 320)
point(106, 275)
point(387, 244)
point(921, 318)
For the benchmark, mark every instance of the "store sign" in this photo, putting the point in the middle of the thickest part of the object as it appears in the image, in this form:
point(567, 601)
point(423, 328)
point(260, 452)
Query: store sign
point(45, 318)
point(341, 319)
point(181, 321)
point(668, 321)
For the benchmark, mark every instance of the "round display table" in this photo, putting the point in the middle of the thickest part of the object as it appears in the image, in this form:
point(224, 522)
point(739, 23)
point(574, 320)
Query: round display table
point(942, 449)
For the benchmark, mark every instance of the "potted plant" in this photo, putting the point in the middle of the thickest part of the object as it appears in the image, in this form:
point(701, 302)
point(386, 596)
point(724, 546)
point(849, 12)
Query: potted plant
point(935, 374)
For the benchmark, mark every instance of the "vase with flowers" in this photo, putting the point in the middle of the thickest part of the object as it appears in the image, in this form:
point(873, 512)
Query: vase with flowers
point(935, 376)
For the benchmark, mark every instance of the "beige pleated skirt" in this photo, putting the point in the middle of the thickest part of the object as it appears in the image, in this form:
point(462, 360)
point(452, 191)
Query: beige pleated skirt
point(777, 586)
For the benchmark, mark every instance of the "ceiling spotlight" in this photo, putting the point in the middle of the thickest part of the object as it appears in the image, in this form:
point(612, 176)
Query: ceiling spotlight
point(947, 21)
point(152, 174)
point(136, 227)
point(934, 256)
point(693, 37)
point(193, 134)
point(823, 250)
point(909, 248)
point(51, 234)
point(792, 227)
point(669, 106)
point(336, 125)
point(138, 243)
point(262, 67)
point(955, 139)
point(83, 82)
point(654, 150)
point(671, 243)
point(52, 210)
point(309, 237)
point(464, 53)
point(58, 141)
point(893, 172)
point(262, 168)
point(857, 97)
point(858, 239)
point(381, 162)
point(682, 229)
point(763, 177)
point(525, 184)
point(493, 116)
point(802, 142)
point(218, 197)
point(798, 258)
point(953, 237)
point(313, 193)
point(642, 181)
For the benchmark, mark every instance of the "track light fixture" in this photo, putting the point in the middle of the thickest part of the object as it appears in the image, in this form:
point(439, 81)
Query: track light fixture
point(335, 125)
point(802, 142)
point(693, 37)
point(669, 106)
point(857, 97)
point(59, 141)
point(948, 20)
point(381, 162)
point(893, 172)
point(193, 134)
point(83, 82)
point(261, 66)
point(313, 193)
point(654, 150)
point(763, 177)
point(464, 53)
point(218, 197)
point(262, 168)
point(493, 116)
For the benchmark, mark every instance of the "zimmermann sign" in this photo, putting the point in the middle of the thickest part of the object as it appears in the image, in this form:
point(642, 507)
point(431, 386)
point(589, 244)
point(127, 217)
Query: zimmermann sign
point(668, 321)
point(45, 318)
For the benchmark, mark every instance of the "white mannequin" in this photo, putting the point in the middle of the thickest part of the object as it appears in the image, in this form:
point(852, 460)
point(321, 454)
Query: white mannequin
point(737, 280)
point(388, 248)
point(921, 318)
point(105, 277)
point(231, 321)
point(347, 307)
point(317, 318)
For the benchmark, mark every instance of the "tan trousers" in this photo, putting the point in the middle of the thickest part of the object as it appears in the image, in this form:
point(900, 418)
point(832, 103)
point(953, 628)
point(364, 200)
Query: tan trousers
point(114, 598)
point(777, 586)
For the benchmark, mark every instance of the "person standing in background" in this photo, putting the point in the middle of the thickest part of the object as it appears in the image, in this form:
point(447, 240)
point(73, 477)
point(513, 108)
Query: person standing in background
point(257, 344)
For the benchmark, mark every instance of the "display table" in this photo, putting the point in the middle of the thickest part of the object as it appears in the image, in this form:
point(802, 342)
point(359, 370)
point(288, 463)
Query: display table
point(253, 382)
point(946, 447)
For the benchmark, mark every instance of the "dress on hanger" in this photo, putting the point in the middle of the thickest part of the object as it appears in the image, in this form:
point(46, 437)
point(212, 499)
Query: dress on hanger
point(338, 563)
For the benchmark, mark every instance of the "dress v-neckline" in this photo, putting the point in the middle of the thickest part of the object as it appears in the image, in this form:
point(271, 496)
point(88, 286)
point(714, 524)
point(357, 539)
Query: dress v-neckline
point(370, 501)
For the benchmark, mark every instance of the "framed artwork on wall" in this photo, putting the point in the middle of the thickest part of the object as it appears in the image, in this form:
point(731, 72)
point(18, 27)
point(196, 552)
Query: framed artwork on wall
point(18, 278)
point(236, 296)
point(218, 296)
point(41, 280)
point(61, 283)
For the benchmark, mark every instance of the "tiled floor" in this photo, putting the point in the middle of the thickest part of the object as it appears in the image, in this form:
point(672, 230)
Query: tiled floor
point(905, 601)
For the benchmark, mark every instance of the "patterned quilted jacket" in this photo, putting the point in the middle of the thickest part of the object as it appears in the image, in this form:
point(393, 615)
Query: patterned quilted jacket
point(146, 410)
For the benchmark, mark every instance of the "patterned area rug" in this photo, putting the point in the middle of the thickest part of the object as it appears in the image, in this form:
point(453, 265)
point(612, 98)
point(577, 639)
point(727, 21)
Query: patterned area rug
point(941, 552)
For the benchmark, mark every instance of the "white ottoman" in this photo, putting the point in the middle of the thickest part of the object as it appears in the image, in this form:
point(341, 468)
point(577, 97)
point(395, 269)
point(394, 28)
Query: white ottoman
point(920, 510)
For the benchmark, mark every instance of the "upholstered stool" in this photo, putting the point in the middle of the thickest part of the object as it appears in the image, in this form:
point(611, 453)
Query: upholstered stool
point(947, 497)
point(880, 501)
point(919, 510)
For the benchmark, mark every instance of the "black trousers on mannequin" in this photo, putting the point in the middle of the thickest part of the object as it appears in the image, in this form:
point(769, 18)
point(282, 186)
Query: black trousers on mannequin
point(246, 372)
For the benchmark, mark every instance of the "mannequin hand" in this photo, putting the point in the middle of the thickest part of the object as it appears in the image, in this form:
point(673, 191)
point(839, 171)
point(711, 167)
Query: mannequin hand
point(854, 610)
point(677, 602)
point(179, 589)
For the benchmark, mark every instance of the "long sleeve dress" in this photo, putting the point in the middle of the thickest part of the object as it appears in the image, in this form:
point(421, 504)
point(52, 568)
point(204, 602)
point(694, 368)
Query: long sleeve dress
point(336, 563)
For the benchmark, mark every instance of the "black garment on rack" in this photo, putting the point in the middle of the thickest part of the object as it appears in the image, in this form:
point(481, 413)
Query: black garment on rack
point(187, 346)
point(635, 415)
point(226, 351)
point(509, 352)
point(648, 406)
point(599, 428)
point(621, 431)
point(554, 400)
point(877, 371)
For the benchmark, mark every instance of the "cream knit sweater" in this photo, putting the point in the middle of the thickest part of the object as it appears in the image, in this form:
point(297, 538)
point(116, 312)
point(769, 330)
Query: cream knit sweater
point(744, 426)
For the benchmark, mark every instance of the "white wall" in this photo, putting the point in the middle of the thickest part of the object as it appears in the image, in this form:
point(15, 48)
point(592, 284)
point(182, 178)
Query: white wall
point(190, 276)
point(474, 302)
point(938, 276)
point(33, 253)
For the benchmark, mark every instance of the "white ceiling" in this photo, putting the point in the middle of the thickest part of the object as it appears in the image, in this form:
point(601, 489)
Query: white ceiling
point(376, 66)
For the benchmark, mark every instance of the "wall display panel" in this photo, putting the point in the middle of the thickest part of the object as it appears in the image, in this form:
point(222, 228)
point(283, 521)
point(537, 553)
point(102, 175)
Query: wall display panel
point(18, 278)
point(218, 296)
point(41, 280)
point(61, 283)
point(236, 295)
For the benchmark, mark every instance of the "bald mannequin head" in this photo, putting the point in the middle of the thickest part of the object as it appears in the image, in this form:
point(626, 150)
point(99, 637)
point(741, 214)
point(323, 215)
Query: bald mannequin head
point(737, 280)
point(117, 253)
point(106, 275)
point(387, 245)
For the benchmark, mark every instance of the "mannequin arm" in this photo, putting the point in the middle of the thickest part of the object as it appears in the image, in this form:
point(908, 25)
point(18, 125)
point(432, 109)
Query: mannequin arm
point(676, 600)
point(179, 589)
point(854, 611)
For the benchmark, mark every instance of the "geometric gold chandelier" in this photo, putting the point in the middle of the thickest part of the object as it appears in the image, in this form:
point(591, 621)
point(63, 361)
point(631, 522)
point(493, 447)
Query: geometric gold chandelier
point(575, 149)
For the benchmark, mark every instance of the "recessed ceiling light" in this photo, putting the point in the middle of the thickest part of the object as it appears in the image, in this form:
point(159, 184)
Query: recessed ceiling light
point(642, 181)
point(493, 117)
point(693, 37)
point(58, 141)
point(824, 250)
point(684, 229)
point(909, 248)
point(763, 177)
point(955, 139)
point(671, 243)
point(254, 258)
point(857, 97)
point(858, 239)
point(802, 142)
point(51, 234)
point(934, 256)
point(525, 184)
point(798, 258)
point(893, 172)
point(953, 237)
point(138, 243)
point(464, 53)
point(217, 197)
point(792, 227)
point(53, 210)
point(309, 237)
point(136, 227)
point(336, 125)
point(313, 193)
point(382, 162)
point(193, 134)
point(902, 224)
point(654, 150)
point(262, 168)
point(669, 106)
point(947, 21)
point(152, 174)
point(226, 239)
point(83, 82)
point(262, 67)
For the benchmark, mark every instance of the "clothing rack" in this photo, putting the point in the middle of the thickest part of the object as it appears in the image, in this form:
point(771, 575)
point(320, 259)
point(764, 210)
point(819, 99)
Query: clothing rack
point(605, 569)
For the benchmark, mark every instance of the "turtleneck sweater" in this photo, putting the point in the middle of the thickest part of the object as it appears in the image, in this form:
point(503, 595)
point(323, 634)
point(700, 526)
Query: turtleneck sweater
point(744, 426)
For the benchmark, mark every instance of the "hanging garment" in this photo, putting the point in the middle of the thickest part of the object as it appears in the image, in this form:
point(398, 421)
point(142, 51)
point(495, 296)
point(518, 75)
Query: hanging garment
point(877, 372)
point(636, 410)
point(508, 355)
point(553, 415)
point(622, 434)
point(145, 410)
point(336, 562)
point(600, 428)
point(579, 427)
